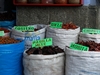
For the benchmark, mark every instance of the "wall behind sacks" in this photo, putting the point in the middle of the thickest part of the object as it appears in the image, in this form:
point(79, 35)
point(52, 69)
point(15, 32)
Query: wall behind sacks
point(84, 16)
point(1, 5)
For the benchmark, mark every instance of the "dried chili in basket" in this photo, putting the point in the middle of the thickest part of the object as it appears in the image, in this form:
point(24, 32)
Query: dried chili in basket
point(8, 40)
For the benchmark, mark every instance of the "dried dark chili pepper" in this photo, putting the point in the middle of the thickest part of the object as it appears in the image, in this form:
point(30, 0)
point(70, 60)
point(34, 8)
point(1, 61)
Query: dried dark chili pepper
point(49, 50)
point(93, 46)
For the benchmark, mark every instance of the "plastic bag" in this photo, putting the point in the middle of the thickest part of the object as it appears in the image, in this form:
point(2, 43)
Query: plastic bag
point(7, 24)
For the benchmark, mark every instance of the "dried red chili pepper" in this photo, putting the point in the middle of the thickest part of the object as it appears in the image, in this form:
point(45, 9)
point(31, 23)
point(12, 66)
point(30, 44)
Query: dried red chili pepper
point(93, 46)
point(45, 50)
point(8, 40)
point(5, 30)
point(69, 26)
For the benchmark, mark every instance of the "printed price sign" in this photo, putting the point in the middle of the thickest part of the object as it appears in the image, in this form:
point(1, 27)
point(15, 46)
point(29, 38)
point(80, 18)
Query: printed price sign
point(42, 43)
point(56, 24)
point(78, 47)
point(91, 31)
point(24, 28)
point(2, 33)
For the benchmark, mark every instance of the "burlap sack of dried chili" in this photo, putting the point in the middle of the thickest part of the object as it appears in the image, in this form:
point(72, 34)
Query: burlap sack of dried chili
point(83, 62)
point(30, 36)
point(63, 37)
point(44, 61)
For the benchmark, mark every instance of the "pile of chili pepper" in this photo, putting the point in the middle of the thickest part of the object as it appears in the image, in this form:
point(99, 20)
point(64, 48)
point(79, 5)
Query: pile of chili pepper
point(69, 26)
point(5, 30)
point(49, 50)
point(8, 40)
point(93, 46)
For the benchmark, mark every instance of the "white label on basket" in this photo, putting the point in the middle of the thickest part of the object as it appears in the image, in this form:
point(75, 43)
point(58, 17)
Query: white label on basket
point(32, 38)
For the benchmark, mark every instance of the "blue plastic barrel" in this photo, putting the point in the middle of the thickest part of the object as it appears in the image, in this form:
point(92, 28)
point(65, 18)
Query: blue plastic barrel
point(11, 58)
